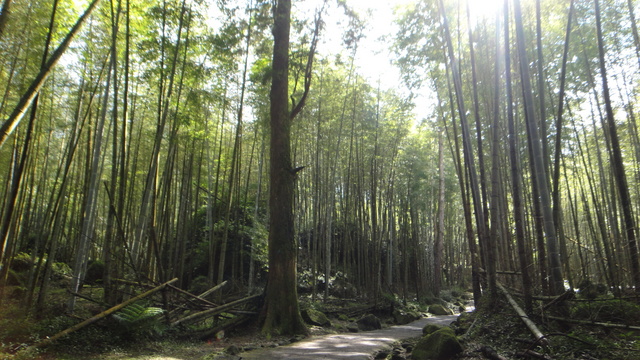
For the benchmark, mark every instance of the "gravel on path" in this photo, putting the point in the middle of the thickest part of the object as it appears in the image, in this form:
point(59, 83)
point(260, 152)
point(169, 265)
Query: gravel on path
point(353, 346)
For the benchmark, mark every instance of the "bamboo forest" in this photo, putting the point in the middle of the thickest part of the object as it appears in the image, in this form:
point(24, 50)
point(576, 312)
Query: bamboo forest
point(215, 179)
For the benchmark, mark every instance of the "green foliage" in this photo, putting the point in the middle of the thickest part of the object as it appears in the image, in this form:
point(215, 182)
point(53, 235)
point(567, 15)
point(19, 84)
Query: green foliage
point(390, 298)
point(259, 235)
point(617, 311)
point(141, 319)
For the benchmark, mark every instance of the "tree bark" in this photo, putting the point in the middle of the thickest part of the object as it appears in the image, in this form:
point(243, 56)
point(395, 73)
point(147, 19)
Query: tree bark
point(282, 311)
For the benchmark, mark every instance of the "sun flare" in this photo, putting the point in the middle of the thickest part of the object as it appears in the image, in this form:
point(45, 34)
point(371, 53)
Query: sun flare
point(484, 9)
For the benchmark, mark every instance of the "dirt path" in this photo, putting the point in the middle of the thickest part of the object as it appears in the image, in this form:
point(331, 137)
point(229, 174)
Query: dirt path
point(355, 346)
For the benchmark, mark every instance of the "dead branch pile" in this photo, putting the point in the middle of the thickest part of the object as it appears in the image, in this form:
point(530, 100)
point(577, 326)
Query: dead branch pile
point(180, 308)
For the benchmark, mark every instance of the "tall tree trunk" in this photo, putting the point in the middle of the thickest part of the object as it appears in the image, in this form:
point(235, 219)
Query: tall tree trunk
point(495, 233)
point(634, 28)
point(438, 246)
point(466, 138)
point(617, 161)
point(111, 232)
point(282, 311)
point(90, 206)
point(541, 81)
point(150, 190)
point(4, 16)
point(557, 211)
point(556, 280)
point(479, 137)
point(518, 214)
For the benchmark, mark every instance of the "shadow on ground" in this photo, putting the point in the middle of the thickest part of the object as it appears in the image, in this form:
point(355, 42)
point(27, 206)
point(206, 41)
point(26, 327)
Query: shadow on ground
point(347, 346)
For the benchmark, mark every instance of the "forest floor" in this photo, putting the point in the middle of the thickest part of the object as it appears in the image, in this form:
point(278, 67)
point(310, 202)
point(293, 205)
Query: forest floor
point(497, 329)
point(107, 340)
point(492, 326)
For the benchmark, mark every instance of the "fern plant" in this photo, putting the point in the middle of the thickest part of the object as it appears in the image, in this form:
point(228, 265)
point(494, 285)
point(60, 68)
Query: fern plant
point(141, 319)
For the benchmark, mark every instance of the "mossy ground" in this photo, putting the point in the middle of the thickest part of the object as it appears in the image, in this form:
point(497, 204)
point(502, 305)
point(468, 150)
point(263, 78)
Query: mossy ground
point(498, 327)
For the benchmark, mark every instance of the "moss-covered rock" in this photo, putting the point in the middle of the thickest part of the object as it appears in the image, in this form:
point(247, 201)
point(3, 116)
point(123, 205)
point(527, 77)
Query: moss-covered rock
point(462, 323)
point(315, 317)
point(437, 309)
point(402, 317)
point(369, 322)
point(430, 329)
point(95, 272)
point(22, 262)
point(440, 345)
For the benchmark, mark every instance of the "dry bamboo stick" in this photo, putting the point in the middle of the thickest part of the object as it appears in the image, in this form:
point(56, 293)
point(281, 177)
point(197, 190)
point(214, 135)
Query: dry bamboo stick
point(192, 295)
point(217, 287)
point(523, 316)
point(103, 314)
point(587, 322)
point(214, 311)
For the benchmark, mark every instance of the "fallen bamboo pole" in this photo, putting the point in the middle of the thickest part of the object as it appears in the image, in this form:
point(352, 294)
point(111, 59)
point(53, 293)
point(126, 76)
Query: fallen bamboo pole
point(197, 297)
point(523, 316)
point(595, 323)
point(103, 314)
point(215, 288)
point(215, 311)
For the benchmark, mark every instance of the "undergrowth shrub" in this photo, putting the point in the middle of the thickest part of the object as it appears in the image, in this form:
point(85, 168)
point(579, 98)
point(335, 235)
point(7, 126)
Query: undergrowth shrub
point(139, 319)
point(618, 311)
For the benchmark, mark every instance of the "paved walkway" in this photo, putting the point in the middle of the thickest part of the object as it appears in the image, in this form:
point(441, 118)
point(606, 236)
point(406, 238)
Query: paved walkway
point(351, 346)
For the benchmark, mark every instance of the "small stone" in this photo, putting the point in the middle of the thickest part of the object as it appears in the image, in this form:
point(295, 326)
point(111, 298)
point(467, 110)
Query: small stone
point(297, 338)
point(233, 350)
point(353, 327)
